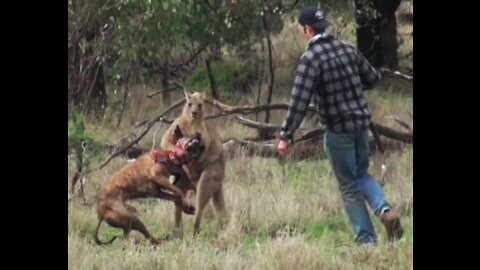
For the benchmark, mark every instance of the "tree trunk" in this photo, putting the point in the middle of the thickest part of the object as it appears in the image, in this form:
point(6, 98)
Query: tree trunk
point(124, 102)
point(388, 32)
point(213, 84)
point(260, 70)
point(377, 31)
point(271, 80)
point(368, 32)
point(73, 73)
point(95, 98)
point(86, 88)
point(86, 83)
point(388, 40)
point(166, 97)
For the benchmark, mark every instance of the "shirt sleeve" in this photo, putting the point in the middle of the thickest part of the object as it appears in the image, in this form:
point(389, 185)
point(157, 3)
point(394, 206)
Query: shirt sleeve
point(368, 74)
point(302, 92)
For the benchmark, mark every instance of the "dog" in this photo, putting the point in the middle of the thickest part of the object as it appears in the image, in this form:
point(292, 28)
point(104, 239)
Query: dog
point(152, 175)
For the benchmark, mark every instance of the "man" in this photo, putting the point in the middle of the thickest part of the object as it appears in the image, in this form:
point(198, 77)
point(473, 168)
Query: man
point(335, 74)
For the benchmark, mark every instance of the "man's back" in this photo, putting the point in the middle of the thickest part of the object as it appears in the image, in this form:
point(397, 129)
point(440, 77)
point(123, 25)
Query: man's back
point(335, 73)
point(343, 74)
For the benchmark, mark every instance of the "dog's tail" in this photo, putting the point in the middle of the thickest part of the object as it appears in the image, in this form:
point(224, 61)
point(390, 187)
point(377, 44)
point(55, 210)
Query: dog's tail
point(95, 236)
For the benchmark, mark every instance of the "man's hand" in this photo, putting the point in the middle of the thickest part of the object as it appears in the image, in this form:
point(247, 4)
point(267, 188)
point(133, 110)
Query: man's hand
point(282, 147)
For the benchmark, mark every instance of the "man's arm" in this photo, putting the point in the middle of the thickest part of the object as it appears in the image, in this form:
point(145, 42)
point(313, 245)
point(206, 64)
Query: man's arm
point(303, 88)
point(369, 76)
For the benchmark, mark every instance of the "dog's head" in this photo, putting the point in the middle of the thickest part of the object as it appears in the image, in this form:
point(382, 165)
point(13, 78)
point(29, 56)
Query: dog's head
point(192, 144)
point(193, 108)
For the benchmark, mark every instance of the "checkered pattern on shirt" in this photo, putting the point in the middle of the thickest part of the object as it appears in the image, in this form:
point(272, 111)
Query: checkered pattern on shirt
point(335, 73)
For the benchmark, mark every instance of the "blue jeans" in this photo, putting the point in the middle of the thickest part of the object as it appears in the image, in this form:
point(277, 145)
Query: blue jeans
point(348, 154)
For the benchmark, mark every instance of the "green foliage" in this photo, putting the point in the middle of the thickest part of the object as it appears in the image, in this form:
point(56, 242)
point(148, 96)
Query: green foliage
point(81, 144)
point(131, 33)
point(229, 77)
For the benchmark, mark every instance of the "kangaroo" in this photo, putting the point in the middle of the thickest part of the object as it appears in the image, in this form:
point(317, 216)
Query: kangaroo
point(207, 172)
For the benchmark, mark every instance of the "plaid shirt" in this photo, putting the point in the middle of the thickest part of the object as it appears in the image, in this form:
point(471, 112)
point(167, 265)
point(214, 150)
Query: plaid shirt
point(335, 74)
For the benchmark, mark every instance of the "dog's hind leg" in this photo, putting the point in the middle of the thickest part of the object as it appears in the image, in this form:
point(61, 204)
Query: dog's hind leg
point(120, 217)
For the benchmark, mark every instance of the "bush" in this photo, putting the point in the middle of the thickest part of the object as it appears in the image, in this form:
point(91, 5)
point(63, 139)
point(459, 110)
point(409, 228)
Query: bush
point(229, 77)
point(79, 138)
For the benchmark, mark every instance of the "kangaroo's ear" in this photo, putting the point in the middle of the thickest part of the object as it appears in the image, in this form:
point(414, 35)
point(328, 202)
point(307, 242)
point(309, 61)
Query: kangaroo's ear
point(178, 133)
point(203, 96)
point(187, 95)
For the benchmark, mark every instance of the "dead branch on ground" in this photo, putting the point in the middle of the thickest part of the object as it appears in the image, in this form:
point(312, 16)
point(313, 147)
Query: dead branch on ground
point(392, 73)
point(261, 147)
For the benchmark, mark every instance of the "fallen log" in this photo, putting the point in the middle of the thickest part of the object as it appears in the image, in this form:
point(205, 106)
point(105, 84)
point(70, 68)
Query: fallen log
point(382, 130)
point(310, 149)
point(259, 147)
point(393, 134)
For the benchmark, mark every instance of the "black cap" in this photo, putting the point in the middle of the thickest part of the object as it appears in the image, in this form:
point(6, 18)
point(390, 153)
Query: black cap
point(312, 16)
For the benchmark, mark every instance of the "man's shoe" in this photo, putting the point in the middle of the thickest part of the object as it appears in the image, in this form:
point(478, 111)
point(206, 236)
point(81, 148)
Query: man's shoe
point(392, 224)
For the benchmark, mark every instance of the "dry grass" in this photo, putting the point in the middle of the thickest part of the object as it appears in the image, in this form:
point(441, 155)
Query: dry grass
point(281, 217)
point(262, 201)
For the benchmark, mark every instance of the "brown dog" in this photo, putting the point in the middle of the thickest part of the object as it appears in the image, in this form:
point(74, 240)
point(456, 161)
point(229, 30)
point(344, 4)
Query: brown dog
point(146, 177)
point(207, 172)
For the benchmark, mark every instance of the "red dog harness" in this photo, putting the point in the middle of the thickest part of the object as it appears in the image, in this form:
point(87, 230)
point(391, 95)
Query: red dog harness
point(172, 160)
point(169, 156)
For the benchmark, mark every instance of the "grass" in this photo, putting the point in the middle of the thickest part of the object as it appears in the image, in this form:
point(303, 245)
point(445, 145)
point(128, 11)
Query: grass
point(302, 209)
point(281, 216)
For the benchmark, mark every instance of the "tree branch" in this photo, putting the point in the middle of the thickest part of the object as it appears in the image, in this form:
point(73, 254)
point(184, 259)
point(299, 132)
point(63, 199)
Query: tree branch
point(211, 7)
point(401, 122)
point(225, 109)
point(294, 4)
point(393, 134)
point(271, 69)
point(247, 109)
point(310, 134)
point(257, 125)
point(124, 101)
point(161, 116)
point(410, 114)
point(123, 149)
point(161, 91)
point(178, 84)
point(389, 72)
point(148, 125)
point(317, 132)
point(406, 55)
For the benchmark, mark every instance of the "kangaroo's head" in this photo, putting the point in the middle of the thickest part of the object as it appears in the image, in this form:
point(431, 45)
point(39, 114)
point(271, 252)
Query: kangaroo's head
point(193, 108)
